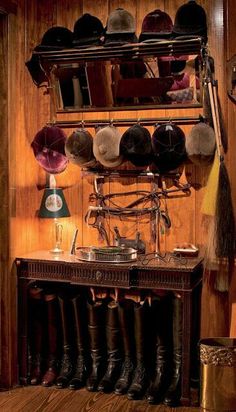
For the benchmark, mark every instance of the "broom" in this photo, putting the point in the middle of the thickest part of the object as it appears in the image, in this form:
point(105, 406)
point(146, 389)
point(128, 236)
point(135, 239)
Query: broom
point(224, 225)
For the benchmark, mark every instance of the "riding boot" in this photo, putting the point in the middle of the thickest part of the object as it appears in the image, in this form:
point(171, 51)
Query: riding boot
point(114, 355)
point(96, 328)
point(126, 320)
point(36, 314)
point(67, 366)
point(173, 394)
point(81, 328)
point(52, 318)
point(161, 320)
point(140, 378)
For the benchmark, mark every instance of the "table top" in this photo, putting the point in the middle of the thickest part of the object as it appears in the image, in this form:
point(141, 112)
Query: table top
point(168, 261)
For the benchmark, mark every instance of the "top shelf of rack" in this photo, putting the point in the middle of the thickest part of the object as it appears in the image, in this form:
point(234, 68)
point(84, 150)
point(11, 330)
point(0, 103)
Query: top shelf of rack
point(191, 46)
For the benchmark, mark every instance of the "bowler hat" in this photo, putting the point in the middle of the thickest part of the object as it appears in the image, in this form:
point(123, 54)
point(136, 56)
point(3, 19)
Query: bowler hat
point(190, 19)
point(136, 146)
point(200, 144)
point(106, 146)
point(120, 28)
point(56, 38)
point(168, 142)
point(79, 148)
point(49, 149)
point(156, 25)
point(88, 30)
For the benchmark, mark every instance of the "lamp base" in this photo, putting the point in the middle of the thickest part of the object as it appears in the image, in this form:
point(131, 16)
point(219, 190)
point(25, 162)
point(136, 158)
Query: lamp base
point(56, 251)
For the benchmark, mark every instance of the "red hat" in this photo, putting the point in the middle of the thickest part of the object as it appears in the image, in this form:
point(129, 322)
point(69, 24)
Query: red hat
point(156, 25)
point(49, 149)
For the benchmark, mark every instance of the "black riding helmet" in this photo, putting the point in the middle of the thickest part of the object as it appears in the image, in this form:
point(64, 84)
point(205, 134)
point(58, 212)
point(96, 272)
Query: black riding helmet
point(168, 142)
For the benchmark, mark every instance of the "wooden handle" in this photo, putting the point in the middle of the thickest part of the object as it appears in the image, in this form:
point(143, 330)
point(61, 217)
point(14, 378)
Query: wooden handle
point(214, 118)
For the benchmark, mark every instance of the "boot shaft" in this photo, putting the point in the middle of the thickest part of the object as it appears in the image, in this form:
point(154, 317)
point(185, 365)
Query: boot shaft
point(96, 326)
point(126, 322)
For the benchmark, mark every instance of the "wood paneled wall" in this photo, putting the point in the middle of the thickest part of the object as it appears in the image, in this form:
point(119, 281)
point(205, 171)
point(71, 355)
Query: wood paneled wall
point(29, 110)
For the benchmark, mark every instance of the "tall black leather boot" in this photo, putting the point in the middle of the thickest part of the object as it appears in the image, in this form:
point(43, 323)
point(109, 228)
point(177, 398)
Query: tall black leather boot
point(140, 378)
point(52, 326)
point(114, 355)
point(173, 394)
point(36, 319)
point(67, 362)
point(97, 335)
point(126, 320)
point(81, 328)
point(161, 318)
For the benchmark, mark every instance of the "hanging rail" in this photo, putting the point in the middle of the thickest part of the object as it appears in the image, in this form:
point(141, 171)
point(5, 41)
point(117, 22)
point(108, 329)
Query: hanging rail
point(124, 122)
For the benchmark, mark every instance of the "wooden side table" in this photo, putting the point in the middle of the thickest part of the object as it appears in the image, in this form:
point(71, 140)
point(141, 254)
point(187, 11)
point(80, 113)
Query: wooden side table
point(182, 276)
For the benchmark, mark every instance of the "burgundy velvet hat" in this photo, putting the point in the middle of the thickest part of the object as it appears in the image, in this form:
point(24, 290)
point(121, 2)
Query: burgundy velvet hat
point(168, 141)
point(49, 149)
point(156, 25)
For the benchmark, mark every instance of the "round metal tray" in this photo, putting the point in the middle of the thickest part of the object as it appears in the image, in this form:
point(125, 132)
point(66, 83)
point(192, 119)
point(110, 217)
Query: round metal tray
point(112, 254)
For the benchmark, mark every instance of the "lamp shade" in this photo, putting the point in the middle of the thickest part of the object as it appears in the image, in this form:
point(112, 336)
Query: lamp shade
point(53, 204)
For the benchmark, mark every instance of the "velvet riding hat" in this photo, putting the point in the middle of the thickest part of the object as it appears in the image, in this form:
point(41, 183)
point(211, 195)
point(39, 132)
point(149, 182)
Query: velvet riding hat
point(106, 146)
point(156, 25)
point(56, 38)
point(120, 28)
point(190, 20)
point(168, 141)
point(136, 146)
point(49, 149)
point(200, 144)
point(88, 30)
point(79, 148)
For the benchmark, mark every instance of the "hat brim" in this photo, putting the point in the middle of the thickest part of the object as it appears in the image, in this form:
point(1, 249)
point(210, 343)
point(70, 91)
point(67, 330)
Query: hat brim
point(87, 41)
point(120, 38)
point(147, 37)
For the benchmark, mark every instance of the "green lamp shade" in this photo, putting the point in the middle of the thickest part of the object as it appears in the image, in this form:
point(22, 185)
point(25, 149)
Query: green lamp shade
point(53, 204)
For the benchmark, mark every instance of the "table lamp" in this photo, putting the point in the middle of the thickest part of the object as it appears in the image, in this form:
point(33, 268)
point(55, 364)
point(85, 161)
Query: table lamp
point(54, 206)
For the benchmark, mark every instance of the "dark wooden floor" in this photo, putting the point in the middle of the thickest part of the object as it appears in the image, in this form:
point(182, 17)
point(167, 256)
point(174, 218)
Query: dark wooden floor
point(37, 399)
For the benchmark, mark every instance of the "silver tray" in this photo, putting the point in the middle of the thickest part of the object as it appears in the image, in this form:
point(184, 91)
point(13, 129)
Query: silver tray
point(112, 254)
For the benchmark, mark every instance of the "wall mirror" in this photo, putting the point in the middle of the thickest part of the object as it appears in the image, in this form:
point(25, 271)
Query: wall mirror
point(126, 84)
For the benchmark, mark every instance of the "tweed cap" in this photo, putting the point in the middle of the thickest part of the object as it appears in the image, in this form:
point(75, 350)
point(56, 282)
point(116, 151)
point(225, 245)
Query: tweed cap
point(190, 19)
point(79, 148)
point(156, 25)
point(136, 146)
point(168, 142)
point(106, 146)
point(88, 30)
point(200, 144)
point(49, 149)
point(120, 28)
point(56, 38)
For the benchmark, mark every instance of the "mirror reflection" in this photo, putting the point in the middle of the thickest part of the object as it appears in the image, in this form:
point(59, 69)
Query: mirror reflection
point(119, 83)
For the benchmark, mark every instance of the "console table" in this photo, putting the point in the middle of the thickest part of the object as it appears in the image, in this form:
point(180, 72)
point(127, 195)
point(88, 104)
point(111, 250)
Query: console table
point(178, 275)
